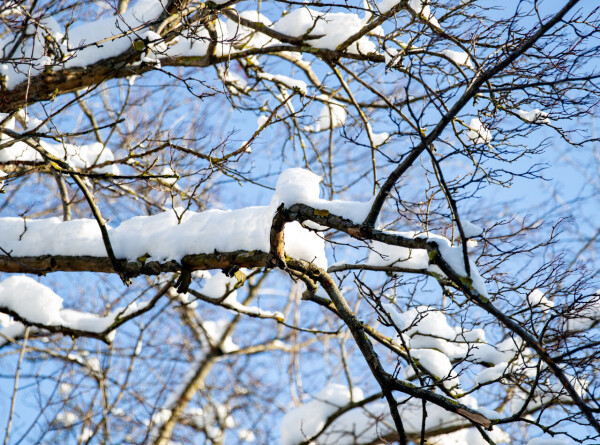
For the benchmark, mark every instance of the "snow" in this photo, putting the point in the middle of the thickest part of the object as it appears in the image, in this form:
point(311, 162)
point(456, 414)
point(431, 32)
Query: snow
point(478, 133)
point(307, 420)
point(585, 315)
point(368, 424)
point(470, 230)
point(231, 302)
point(65, 389)
point(66, 419)
point(10, 329)
point(433, 342)
point(192, 43)
point(77, 156)
point(195, 42)
point(156, 47)
point(438, 364)
point(215, 329)
point(30, 299)
point(505, 351)
point(160, 237)
point(293, 84)
point(536, 298)
point(247, 37)
point(470, 436)
point(85, 44)
point(108, 37)
point(385, 5)
point(168, 171)
point(418, 259)
point(211, 419)
point(234, 83)
point(452, 349)
point(334, 27)
point(297, 185)
point(332, 115)
point(422, 9)
point(427, 329)
point(491, 374)
point(389, 55)
point(246, 435)
point(262, 120)
point(86, 434)
point(217, 285)
point(579, 384)
point(387, 255)
point(423, 320)
point(380, 138)
point(461, 58)
point(36, 303)
point(453, 255)
point(51, 236)
point(535, 116)
point(113, 35)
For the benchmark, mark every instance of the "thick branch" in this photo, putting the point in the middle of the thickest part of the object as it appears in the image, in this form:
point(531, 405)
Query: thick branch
point(48, 85)
point(43, 264)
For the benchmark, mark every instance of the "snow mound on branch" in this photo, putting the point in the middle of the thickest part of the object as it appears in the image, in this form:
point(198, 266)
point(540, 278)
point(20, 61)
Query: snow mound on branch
point(471, 230)
point(215, 331)
point(537, 298)
point(31, 300)
point(423, 320)
point(307, 420)
point(534, 116)
point(461, 58)
point(35, 303)
point(422, 9)
point(383, 255)
point(470, 436)
point(111, 36)
point(438, 364)
point(289, 82)
point(247, 37)
point(165, 237)
point(195, 42)
point(332, 115)
point(298, 185)
point(332, 29)
point(84, 44)
point(77, 156)
point(427, 328)
point(478, 133)
point(491, 374)
point(373, 421)
point(220, 285)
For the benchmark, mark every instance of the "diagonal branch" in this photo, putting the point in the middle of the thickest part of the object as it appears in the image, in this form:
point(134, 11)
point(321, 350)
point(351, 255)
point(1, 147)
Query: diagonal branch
point(470, 92)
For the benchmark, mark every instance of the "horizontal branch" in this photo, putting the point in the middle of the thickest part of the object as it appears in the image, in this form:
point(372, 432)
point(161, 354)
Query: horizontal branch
point(40, 265)
point(52, 83)
point(106, 335)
